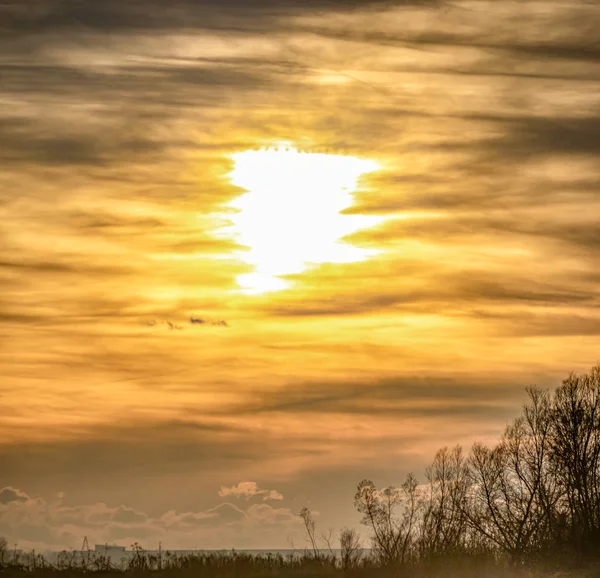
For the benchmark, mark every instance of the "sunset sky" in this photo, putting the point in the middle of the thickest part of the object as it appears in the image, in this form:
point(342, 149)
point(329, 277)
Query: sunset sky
point(253, 252)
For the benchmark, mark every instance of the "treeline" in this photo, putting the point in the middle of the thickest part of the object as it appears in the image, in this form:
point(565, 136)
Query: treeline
point(532, 497)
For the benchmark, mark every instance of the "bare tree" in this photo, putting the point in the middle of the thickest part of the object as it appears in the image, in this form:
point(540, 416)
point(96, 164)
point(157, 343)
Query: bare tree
point(444, 524)
point(391, 514)
point(486, 508)
point(575, 453)
point(327, 539)
point(310, 529)
point(529, 442)
point(3, 548)
point(350, 548)
point(513, 496)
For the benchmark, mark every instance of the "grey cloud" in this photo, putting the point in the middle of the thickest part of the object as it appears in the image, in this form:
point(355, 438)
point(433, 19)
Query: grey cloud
point(179, 446)
point(129, 111)
point(52, 524)
point(124, 84)
point(111, 15)
point(427, 397)
point(530, 136)
point(113, 454)
point(566, 31)
point(579, 49)
point(521, 139)
point(29, 141)
point(9, 495)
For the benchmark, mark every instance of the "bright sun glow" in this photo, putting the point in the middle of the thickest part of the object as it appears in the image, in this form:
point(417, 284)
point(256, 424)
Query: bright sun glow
point(290, 218)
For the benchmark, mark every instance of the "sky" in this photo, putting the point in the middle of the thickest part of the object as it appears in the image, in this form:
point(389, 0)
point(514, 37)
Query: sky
point(252, 253)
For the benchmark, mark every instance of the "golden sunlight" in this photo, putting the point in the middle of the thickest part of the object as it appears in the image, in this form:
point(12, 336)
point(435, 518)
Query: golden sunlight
point(290, 218)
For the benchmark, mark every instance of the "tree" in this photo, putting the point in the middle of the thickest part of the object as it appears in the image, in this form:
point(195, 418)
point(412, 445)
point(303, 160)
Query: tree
point(391, 514)
point(514, 496)
point(3, 548)
point(444, 522)
point(310, 527)
point(350, 548)
point(575, 453)
point(528, 441)
point(537, 490)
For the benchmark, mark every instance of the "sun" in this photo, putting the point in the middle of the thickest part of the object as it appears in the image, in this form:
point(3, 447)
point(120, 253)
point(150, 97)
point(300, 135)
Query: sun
point(290, 218)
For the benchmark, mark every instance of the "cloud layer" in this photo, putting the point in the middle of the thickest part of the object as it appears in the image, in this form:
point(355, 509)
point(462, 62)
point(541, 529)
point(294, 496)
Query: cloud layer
point(117, 125)
point(39, 523)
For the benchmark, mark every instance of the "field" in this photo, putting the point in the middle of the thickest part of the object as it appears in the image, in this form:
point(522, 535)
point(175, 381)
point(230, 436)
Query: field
point(300, 565)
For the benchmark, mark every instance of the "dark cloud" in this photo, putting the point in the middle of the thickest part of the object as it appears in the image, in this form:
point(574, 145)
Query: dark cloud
point(575, 51)
point(39, 267)
point(29, 141)
point(16, 317)
point(461, 289)
point(567, 31)
point(212, 322)
point(129, 111)
point(123, 84)
point(10, 495)
point(402, 397)
point(530, 136)
point(110, 15)
point(124, 451)
point(107, 221)
point(64, 265)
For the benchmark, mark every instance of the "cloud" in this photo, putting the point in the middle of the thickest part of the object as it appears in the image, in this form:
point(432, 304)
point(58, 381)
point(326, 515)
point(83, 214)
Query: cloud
point(119, 121)
point(249, 490)
point(9, 495)
point(202, 321)
point(400, 397)
point(263, 513)
point(223, 514)
point(54, 16)
point(42, 524)
point(464, 289)
point(273, 495)
point(242, 489)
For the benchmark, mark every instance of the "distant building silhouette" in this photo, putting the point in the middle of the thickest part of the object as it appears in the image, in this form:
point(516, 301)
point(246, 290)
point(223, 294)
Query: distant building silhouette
point(109, 549)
